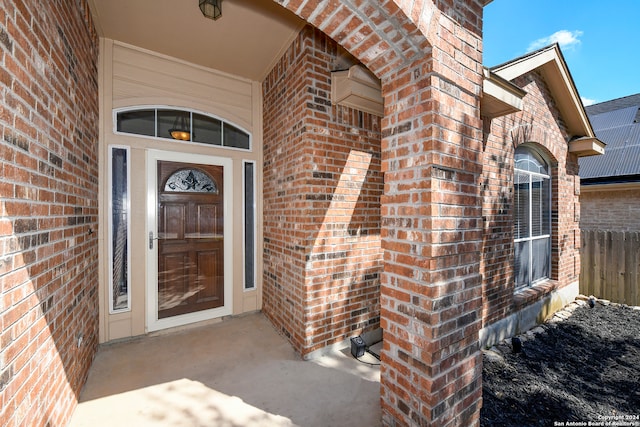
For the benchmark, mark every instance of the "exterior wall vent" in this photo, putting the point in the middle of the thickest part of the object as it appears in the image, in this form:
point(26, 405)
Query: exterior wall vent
point(357, 88)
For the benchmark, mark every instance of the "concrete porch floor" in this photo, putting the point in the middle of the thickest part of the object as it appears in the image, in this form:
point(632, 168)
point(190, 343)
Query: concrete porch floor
point(234, 373)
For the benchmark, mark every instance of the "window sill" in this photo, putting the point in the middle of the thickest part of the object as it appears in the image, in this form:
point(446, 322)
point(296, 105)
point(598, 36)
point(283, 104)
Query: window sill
point(526, 296)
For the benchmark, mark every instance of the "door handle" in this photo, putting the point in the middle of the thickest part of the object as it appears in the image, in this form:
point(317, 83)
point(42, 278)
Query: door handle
point(151, 239)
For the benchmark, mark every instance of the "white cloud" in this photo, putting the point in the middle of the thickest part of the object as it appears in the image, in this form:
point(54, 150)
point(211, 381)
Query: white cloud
point(587, 101)
point(566, 39)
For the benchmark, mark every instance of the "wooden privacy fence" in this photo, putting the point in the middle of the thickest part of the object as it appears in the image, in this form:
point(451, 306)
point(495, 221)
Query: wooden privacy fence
point(610, 265)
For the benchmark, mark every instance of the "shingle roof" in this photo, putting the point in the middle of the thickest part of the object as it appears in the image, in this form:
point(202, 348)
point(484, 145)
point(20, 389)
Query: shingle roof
point(616, 123)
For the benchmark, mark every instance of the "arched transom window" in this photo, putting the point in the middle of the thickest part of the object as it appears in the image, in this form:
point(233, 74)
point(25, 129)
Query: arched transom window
point(532, 219)
point(181, 125)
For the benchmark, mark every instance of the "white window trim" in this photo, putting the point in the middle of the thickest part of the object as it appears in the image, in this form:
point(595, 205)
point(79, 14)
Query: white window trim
point(127, 203)
point(523, 239)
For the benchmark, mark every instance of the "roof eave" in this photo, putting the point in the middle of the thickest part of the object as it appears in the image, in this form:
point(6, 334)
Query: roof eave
point(629, 183)
point(586, 146)
point(499, 96)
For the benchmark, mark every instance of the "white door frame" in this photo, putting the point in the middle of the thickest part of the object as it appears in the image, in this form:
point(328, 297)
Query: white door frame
point(153, 323)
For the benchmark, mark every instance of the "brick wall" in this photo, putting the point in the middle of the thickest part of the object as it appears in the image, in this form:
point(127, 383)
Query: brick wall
point(322, 187)
point(539, 123)
point(615, 210)
point(48, 223)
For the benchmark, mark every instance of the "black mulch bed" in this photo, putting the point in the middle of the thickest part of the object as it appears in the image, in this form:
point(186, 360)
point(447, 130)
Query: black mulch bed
point(579, 370)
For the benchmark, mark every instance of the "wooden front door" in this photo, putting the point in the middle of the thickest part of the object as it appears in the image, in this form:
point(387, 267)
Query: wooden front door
point(190, 238)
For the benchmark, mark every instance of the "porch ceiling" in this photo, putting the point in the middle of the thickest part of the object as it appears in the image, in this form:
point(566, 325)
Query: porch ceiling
point(246, 41)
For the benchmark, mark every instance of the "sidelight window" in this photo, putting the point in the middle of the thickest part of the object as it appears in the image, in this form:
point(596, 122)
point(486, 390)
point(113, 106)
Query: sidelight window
point(249, 202)
point(119, 229)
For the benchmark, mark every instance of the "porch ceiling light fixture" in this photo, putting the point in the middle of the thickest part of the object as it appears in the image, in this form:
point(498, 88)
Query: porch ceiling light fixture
point(180, 130)
point(212, 9)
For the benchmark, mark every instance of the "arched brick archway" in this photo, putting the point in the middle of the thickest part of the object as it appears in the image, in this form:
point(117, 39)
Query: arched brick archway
point(428, 57)
point(379, 35)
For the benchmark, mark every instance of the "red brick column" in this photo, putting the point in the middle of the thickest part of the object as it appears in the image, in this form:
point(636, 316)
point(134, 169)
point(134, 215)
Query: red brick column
point(431, 219)
point(428, 55)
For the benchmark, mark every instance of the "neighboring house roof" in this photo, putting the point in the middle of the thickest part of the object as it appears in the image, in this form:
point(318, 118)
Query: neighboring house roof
point(550, 63)
point(616, 122)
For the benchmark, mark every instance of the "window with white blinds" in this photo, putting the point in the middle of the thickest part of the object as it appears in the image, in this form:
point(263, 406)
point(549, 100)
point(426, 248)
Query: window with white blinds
point(532, 217)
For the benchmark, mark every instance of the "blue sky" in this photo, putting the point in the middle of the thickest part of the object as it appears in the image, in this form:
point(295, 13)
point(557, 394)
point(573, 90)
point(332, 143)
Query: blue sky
point(600, 40)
